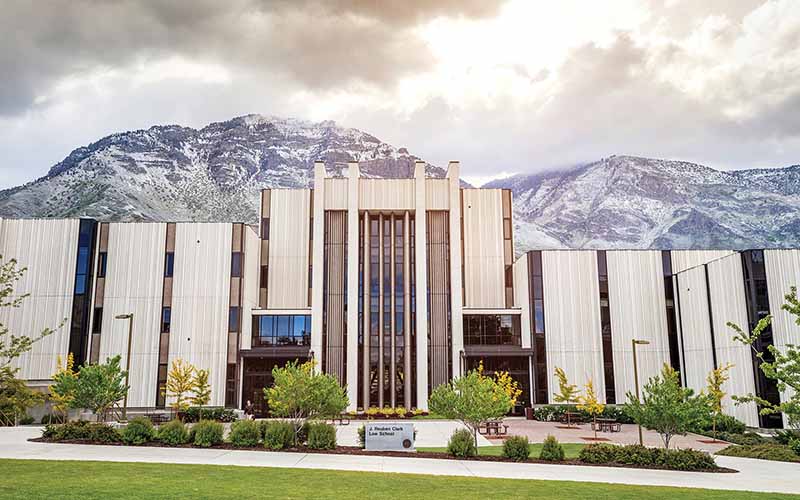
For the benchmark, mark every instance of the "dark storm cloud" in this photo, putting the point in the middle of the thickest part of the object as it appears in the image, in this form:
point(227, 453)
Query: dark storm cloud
point(321, 44)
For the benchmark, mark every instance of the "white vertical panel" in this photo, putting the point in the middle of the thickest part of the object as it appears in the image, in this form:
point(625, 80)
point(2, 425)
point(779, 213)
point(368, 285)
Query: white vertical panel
point(421, 273)
point(484, 268)
point(134, 284)
point(318, 259)
point(336, 191)
point(522, 298)
point(783, 272)
point(352, 281)
point(696, 327)
point(638, 311)
point(572, 318)
point(437, 194)
point(288, 248)
point(686, 259)
point(200, 300)
point(387, 194)
point(48, 249)
point(726, 284)
point(455, 238)
point(252, 270)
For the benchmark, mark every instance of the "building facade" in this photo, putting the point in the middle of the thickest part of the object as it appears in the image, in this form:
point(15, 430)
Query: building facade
point(393, 286)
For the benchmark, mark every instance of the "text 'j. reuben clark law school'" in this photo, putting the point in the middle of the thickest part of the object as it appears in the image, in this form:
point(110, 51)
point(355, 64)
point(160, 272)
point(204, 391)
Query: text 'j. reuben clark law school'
point(394, 286)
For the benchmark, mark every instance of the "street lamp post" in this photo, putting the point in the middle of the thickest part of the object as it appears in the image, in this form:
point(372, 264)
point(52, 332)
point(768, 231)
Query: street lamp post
point(129, 317)
point(634, 343)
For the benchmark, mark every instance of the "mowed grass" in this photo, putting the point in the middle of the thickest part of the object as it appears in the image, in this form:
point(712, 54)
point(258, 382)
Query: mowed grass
point(571, 450)
point(71, 479)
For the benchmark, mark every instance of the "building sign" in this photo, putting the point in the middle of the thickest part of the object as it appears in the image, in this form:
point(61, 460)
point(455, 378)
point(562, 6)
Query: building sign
point(389, 437)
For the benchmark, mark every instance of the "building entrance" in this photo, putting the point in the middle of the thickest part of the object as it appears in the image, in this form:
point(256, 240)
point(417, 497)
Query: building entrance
point(257, 376)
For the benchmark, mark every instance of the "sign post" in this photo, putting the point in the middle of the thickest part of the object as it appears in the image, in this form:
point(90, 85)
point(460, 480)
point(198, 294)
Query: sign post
point(389, 436)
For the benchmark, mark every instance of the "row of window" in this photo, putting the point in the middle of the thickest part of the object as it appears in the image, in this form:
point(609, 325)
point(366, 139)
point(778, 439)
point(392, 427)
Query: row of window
point(285, 330)
point(492, 329)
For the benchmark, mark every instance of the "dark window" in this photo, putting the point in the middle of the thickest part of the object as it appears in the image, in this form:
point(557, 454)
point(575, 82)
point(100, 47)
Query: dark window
point(264, 276)
point(81, 302)
point(281, 330)
point(97, 321)
point(162, 385)
point(166, 319)
point(233, 319)
point(236, 264)
point(492, 329)
point(265, 228)
point(169, 264)
point(101, 264)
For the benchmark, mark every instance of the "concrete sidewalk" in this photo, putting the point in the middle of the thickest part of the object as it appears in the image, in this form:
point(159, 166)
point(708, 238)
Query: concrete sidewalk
point(754, 475)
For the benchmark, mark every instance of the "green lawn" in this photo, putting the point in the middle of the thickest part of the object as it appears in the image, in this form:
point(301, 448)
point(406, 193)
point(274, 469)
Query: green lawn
point(56, 479)
point(571, 450)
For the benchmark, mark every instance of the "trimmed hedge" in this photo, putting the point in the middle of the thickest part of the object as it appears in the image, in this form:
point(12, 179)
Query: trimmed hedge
point(81, 430)
point(517, 448)
point(684, 460)
point(745, 438)
point(553, 413)
point(321, 436)
point(245, 433)
point(138, 431)
point(551, 450)
point(362, 436)
point(776, 452)
point(462, 444)
point(786, 436)
point(173, 433)
point(219, 414)
point(206, 433)
point(278, 435)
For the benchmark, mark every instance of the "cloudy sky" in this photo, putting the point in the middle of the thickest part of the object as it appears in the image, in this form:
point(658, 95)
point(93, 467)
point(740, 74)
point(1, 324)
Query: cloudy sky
point(505, 87)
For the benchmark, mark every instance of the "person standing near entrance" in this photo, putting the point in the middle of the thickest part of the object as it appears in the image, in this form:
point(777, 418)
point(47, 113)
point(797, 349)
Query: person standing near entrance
point(250, 410)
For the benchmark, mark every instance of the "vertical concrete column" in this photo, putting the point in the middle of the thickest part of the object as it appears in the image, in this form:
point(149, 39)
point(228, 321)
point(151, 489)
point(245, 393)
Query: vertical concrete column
point(317, 260)
point(421, 272)
point(406, 312)
point(456, 242)
point(393, 329)
point(352, 285)
point(367, 324)
point(381, 323)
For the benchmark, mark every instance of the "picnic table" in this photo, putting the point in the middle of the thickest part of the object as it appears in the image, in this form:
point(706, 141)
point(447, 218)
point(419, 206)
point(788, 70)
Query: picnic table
point(571, 417)
point(606, 425)
point(496, 427)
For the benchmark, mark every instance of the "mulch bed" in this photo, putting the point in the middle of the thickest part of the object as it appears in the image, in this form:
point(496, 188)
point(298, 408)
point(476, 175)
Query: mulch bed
point(594, 439)
point(352, 450)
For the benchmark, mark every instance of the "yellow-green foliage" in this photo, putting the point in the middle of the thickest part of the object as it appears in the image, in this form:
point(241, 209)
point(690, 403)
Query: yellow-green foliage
point(180, 381)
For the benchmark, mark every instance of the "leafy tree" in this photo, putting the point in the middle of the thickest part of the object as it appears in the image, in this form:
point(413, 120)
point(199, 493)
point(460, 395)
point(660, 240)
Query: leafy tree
point(591, 405)
point(301, 393)
point(472, 399)
point(180, 382)
point(784, 367)
point(15, 396)
point(716, 379)
point(62, 390)
point(100, 387)
point(567, 393)
point(666, 407)
point(201, 389)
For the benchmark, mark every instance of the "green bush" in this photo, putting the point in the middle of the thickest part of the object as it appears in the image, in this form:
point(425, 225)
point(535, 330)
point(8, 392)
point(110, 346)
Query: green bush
point(551, 450)
point(794, 444)
point(362, 436)
point(598, 453)
point(245, 433)
point(173, 433)
point(321, 436)
point(517, 448)
point(725, 424)
point(745, 438)
point(81, 431)
point(462, 444)
point(636, 455)
point(776, 452)
point(685, 460)
point(195, 414)
point(553, 413)
point(785, 436)
point(26, 420)
point(50, 418)
point(206, 433)
point(138, 431)
point(278, 435)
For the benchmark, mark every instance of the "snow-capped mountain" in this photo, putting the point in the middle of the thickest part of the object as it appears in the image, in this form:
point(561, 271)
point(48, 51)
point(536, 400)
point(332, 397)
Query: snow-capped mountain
point(173, 173)
point(632, 202)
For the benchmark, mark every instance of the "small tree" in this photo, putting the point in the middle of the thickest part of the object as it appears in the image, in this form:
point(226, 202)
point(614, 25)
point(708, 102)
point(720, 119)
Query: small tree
point(591, 405)
point(201, 389)
point(62, 390)
point(567, 393)
point(180, 382)
point(666, 407)
point(472, 399)
point(301, 393)
point(100, 387)
point(716, 379)
point(784, 368)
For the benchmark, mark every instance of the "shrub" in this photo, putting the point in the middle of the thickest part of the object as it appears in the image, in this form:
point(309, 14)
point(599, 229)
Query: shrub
point(785, 436)
point(138, 431)
point(598, 453)
point(245, 433)
point(794, 444)
point(302, 433)
point(195, 414)
point(80, 430)
point(777, 452)
point(50, 418)
point(362, 436)
point(279, 435)
point(685, 459)
point(173, 433)
point(26, 420)
point(746, 438)
point(207, 433)
point(462, 444)
point(636, 455)
point(726, 424)
point(517, 448)
point(321, 436)
point(551, 450)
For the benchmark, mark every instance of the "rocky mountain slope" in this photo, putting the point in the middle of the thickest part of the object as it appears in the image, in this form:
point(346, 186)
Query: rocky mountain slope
point(173, 173)
point(632, 202)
